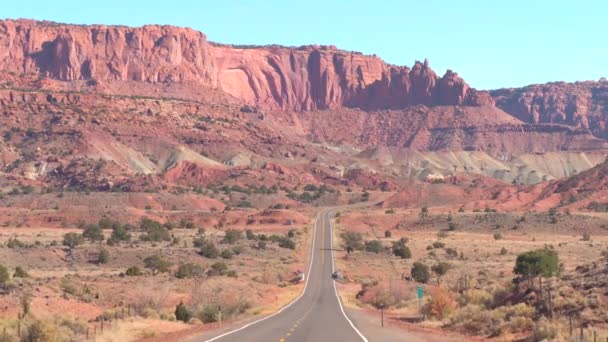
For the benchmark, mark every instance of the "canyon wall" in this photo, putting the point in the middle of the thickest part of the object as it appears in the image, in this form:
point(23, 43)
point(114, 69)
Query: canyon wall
point(274, 77)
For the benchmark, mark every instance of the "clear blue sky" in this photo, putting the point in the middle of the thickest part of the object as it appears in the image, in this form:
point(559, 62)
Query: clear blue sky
point(491, 44)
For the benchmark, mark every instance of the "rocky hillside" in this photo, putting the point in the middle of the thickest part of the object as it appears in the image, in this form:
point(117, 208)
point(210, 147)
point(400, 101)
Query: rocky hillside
point(274, 77)
point(580, 104)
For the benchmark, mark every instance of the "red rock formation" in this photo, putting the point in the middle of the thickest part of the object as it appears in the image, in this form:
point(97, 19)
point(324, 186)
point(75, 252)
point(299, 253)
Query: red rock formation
point(305, 78)
point(580, 104)
point(72, 52)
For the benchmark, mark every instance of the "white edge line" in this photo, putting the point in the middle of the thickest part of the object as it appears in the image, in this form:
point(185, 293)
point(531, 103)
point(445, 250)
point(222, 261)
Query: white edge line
point(331, 239)
point(312, 257)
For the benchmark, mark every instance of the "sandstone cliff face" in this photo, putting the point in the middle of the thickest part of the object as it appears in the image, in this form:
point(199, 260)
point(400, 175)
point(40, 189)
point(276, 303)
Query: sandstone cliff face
point(70, 52)
point(580, 104)
point(313, 77)
point(306, 78)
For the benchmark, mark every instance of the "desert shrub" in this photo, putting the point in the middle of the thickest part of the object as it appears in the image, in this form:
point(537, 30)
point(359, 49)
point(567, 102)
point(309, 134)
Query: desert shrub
point(388, 234)
point(227, 254)
point(198, 242)
point(236, 250)
point(71, 240)
point(14, 243)
point(438, 244)
point(41, 331)
point(441, 268)
point(389, 211)
point(249, 234)
point(440, 304)
point(154, 231)
point(232, 236)
point(120, 233)
point(476, 320)
point(107, 223)
point(19, 273)
point(424, 213)
point(157, 263)
point(497, 236)
point(182, 313)
point(285, 242)
point(442, 234)
point(208, 249)
point(209, 314)
point(189, 270)
point(4, 276)
point(401, 250)
point(451, 252)
point(477, 297)
point(452, 226)
point(262, 244)
point(586, 236)
point(93, 232)
point(103, 256)
point(545, 331)
point(374, 246)
point(352, 241)
point(133, 271)
point(219, 268)
point(503, 251)
point(291, 233)
point(67, 286)
point(185, 223)
point(420, 272)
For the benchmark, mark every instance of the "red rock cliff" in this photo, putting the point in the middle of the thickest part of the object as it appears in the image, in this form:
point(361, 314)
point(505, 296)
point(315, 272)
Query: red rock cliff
point(305, 78)
point(579, 104)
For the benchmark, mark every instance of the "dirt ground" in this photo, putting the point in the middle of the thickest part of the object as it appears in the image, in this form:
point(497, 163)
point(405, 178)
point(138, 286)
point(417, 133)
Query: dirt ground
point(68, 287)
point(485, 246)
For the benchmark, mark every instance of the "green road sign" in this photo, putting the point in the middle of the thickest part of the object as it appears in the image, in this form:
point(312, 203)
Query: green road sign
point(420, 293)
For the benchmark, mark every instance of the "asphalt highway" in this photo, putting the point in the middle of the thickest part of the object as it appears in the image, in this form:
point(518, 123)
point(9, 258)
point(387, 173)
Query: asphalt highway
point(317, 315)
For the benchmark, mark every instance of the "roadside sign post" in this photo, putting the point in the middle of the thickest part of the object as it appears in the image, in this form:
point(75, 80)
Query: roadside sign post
point(219, 309)
point(382, 314)
point(420, 294)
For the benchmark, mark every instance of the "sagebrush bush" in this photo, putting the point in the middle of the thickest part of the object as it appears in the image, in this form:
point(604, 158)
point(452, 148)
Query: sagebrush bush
point(440, 304)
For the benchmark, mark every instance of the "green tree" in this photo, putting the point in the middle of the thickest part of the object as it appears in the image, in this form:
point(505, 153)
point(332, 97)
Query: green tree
point(156, 263)
point(208, 249)
point(182, 313)
point(71, 240)
point(440, 269)
point(93, 232)
point(120, 233)
point(420, 272)
point(537, 263)
point(374, 246)
point(232, 236)
point(352, 241)
point(401, 250)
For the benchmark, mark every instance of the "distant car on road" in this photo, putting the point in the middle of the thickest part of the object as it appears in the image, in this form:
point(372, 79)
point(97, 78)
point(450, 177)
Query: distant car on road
point(336, 275)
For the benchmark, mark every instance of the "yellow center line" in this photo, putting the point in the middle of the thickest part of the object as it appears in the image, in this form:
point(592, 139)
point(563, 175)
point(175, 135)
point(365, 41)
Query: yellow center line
point(323, 245)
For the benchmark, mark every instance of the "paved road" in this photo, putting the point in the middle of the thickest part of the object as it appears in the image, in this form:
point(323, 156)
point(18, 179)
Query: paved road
point(317, 315)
